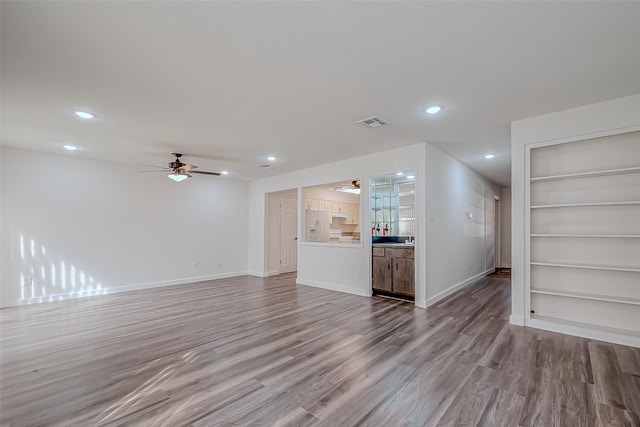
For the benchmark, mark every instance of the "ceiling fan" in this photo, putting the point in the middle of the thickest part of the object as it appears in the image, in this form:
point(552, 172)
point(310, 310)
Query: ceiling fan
point(179, 171)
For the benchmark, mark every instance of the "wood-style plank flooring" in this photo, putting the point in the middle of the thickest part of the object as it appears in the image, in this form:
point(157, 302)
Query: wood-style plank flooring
point(250, 351)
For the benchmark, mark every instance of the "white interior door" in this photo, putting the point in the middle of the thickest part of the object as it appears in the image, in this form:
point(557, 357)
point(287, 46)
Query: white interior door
point(288, 235)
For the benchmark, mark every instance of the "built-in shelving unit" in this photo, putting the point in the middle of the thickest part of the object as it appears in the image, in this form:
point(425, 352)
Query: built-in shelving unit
point(584, 230)
point(392, 205)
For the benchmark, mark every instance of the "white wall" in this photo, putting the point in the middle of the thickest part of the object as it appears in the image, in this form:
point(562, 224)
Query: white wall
point(81, 226)
point(505, 227)
point(604, 118)
point(458, 246)
point(445, 247)
point(340, 267)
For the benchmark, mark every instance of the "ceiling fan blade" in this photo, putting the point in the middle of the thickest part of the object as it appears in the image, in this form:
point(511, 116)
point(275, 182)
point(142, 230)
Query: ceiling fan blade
point(152, 166)
point(188, 167)
point(158, 170)
point(206, 173)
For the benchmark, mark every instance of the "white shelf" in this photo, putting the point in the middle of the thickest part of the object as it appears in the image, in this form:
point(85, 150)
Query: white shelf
point(588, 267)
point(581, 295)
point(572, 205)
point(588, 235)
point(587, 174)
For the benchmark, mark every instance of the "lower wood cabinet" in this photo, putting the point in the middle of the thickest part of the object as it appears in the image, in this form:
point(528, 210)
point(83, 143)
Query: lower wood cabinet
point(393, 270)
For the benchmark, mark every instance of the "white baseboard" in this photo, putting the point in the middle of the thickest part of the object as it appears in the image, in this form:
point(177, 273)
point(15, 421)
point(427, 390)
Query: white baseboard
point(434, 299)
point(632, 340)
point(126, 288)
point(258, 274)
point(516, 320)
point(334, 287)
point(505, 265)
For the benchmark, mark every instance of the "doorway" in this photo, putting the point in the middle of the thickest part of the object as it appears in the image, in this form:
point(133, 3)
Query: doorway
point(288, 234)
point(281, 232)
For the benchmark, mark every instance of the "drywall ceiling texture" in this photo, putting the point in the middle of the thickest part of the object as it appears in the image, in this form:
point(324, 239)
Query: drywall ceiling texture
point(80, 227)
point(234, 81)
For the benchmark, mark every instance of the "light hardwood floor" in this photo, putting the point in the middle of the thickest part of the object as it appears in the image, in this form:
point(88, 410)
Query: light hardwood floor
point(251, 351)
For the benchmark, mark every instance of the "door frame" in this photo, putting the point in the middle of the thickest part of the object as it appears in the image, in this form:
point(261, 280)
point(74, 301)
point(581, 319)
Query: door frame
point(272, 229)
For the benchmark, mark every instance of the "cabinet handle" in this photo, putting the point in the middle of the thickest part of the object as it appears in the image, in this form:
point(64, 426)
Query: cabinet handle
point(396, 266)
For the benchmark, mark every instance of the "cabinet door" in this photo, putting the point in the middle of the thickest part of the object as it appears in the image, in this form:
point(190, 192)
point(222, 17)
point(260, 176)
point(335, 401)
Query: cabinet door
point(313, 204)
point(325, 205)
point(381, 275)
point(353, 212)
point(339, 207)
point(403, 276)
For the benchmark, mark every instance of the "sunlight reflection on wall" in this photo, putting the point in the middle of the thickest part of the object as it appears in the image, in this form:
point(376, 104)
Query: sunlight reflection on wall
point(45, 278)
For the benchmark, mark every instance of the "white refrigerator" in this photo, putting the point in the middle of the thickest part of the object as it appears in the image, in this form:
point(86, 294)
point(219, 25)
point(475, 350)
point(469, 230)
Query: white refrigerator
point(317, 225)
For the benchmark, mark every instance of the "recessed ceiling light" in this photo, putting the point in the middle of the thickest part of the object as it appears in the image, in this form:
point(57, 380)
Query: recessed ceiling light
point(84, 114)
point(400, 173)
point(70, 147)
point(224, 172)
point(410, 176)
point(489, 156)
point(271, 158)
point(435, 109)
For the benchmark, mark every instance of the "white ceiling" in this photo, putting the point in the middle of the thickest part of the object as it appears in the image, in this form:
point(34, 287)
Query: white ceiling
point(230, 82)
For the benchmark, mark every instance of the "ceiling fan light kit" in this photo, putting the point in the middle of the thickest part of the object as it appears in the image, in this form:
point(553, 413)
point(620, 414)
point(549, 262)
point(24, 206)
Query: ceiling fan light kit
point(180, 171)
point(179, 175)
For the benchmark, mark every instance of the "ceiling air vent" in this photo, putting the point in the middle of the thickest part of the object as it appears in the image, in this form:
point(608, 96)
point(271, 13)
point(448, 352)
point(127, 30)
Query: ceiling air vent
point(372, 122)
point(263, 166)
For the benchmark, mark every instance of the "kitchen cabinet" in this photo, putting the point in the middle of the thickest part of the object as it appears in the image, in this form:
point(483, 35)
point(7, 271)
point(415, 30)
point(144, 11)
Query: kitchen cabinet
point(339, 207)
point(311, 204)
point(393, 270)
point(317, 204)
point(324, 205)
point(353, 213)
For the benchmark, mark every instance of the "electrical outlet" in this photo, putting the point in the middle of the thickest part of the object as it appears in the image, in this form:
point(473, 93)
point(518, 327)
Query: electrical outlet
point(219, 263)
point(196, 263)
point(471, 265)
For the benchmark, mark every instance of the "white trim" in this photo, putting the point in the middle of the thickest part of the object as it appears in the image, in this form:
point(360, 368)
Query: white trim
point(596, 173)
point(585, 332)
point(506, 265)
point(516, 320)
point(333, 287)
point(527, 230)
point(582, 137)
point(258, 273)
point(583, 205)
point(126, 288)
point(434, 299)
